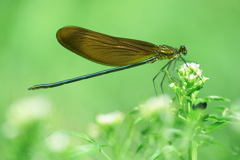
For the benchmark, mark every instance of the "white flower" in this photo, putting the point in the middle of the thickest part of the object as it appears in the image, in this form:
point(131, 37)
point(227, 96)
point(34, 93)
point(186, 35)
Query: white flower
point(181, 69)
point(184, 66)
point(110, 118)
point(171, 85)
point(57, 142)
point(194, 66)
point(28, 109)
point(22, 112)
point(199, 72)
point(191, 77)
point(154, 105)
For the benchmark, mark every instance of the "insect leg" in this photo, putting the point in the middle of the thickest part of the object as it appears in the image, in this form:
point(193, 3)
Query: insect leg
point(165, 76)
point(158, 74)
point(173, 67)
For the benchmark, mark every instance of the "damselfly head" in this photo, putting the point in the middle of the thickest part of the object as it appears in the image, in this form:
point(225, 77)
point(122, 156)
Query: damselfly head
point(183, 50)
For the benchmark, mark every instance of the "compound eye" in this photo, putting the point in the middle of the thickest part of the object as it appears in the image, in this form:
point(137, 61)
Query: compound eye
point(183, 50)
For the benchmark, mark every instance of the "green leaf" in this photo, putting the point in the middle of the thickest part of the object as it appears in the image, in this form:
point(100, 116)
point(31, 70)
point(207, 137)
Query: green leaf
point(82, 150)
point(233, 118)
point(210, 99)
point(143, 144)
point(219, 108)
point(139, 119)
point(176, 132)
point(194, 88)
point(206, 139)
point(211, 117)
point(140, 146)
point(102, 146)
point(188, 98)
point(134, 111)
point(76, 134)
point(168, 149)
point(214, 125)
point(215, 98)
point(156, 154)
point(79, 135)
point(146, 130)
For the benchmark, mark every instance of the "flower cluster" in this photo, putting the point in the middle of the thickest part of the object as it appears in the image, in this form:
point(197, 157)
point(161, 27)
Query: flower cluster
point(191, 79)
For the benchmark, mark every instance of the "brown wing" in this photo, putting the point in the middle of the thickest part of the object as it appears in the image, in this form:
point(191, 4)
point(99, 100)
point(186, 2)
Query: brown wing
point(104, 49)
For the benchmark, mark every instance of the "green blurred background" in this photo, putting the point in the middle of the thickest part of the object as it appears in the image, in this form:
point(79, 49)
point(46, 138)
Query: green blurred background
point(30, 54)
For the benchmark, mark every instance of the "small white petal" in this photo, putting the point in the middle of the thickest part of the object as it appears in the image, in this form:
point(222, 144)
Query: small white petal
point(198, 72)
point(192, 76)
point(194, 65)
point(181, 69)
point(171, 85)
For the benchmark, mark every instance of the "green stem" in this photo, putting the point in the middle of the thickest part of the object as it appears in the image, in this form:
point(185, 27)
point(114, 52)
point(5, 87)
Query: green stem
point(128, 141)
point(182, 117)
point(178, 153)
point(180, 99)
point(194, 148)
point(189, 109)
point(166, 71)
point(184, 110)
point(105, 154)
